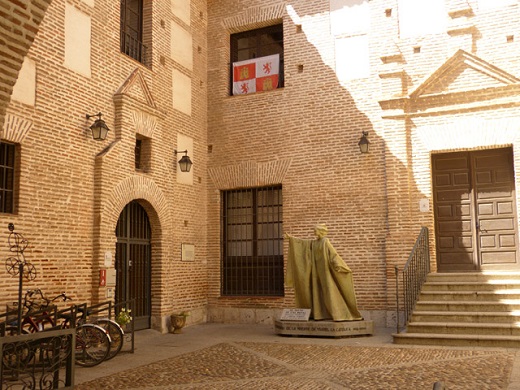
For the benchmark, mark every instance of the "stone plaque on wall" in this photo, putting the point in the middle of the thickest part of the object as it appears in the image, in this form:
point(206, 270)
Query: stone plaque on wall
point(187, 252)
point(295, 315)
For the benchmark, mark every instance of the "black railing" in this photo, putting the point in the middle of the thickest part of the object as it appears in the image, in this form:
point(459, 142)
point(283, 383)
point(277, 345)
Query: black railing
point(414, 274)
point(36, 361)
point(134, 48)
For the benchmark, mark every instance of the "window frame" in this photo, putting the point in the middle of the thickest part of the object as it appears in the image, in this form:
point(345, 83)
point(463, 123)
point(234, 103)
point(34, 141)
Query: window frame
point(133, 47)
point(258, 33)
point(8, 182)
point(253, 225)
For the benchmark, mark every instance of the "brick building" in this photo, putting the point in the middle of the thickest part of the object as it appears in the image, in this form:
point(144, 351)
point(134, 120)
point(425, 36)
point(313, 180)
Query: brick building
point(432, 84)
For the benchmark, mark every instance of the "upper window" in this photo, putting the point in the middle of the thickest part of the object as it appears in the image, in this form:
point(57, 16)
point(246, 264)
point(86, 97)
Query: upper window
point(257, 60)
point(142, 153)
point(7, 177)
point(132, 30)
point(252, 242)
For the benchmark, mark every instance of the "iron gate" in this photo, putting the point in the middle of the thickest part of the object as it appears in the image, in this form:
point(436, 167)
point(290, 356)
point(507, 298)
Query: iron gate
point(133, 262)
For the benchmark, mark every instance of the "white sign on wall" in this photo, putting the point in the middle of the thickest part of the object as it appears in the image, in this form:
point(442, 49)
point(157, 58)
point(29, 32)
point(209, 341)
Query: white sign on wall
point(187, 252)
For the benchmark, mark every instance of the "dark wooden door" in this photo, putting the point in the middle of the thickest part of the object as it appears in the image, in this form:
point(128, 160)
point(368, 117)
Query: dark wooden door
point(475, 211)
point(133, 255)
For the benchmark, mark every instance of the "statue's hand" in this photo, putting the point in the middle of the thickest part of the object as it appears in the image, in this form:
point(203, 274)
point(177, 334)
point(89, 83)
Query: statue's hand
point(286, 236)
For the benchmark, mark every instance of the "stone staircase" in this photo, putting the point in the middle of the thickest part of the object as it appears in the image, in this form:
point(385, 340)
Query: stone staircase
point(466, 309)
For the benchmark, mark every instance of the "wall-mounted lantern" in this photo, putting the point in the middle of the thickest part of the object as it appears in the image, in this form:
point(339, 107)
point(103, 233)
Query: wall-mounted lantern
point(99, 128)
point(364, 143)
point(185, 162)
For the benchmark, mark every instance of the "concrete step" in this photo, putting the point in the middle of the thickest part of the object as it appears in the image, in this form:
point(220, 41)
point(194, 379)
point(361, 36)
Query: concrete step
point(497, 329)
point(506, 305)
point(491, 285)
point(466, 309)
point(467, 317)
point(457, 340)
point(481, 296)
point(473, 276)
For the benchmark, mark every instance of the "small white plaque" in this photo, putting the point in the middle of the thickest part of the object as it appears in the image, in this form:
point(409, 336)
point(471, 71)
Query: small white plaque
point(295, 314)
point(187, 252)
point(424, 205)
point(108, 260)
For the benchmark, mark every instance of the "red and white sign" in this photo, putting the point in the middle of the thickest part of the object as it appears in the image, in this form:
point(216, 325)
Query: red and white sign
point(255, 75)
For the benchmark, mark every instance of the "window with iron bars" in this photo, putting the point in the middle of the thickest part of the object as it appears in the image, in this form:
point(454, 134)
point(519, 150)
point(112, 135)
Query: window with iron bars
point(7, 177)
point(252, 242)
point(132, 30)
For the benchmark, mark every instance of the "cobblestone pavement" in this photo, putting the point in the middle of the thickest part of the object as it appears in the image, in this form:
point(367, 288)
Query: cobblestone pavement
point(315, 364)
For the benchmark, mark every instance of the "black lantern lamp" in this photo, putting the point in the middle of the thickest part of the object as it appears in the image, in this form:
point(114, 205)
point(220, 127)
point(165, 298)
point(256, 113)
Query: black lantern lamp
point(364, 143)
point(99, 128)
point(185, 162)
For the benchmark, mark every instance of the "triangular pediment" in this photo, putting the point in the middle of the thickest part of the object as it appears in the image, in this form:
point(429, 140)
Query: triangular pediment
point(136, 87)
point(463, 72)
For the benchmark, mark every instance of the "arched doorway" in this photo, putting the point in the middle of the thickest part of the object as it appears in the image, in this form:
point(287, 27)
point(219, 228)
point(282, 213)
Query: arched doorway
point(133, 262)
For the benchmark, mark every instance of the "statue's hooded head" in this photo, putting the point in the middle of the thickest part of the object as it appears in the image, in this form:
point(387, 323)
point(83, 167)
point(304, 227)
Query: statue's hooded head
point(321, 230)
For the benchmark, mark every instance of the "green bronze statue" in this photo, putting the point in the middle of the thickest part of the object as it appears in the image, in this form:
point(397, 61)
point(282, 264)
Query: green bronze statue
point(322, 281)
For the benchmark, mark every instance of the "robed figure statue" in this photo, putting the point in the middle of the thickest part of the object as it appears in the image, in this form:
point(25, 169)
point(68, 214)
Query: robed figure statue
point(322, 281)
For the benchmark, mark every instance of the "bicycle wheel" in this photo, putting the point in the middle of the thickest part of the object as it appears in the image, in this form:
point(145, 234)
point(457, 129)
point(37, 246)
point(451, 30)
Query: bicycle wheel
point(92, 345)
point(116, 335)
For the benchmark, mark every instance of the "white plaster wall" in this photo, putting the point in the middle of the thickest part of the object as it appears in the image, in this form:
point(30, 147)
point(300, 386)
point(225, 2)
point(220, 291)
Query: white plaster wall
point(77, 40)
point(421, 17)
point(24, 90)
point(181, 91)
point(352, 58)
point(490, 4)
point(181, 46)
point(181, 9)
point(349, 17)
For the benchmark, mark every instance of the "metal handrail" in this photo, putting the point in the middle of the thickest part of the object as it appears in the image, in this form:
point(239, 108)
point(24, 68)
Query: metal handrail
point(414, 274)
point(134, 48)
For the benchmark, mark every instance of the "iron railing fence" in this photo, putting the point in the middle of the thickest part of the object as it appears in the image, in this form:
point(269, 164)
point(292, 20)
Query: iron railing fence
point(41, 360)
point(134, 48)
point(413, 276)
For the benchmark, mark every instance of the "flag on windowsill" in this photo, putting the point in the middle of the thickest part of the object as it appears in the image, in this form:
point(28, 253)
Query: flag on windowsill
point(256, 75)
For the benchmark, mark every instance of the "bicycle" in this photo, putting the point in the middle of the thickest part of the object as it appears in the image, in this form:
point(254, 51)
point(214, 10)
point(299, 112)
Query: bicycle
point(92, 341)
point(114, 330)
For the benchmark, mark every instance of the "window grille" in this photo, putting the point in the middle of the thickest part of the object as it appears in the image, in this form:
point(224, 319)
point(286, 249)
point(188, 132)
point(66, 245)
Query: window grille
point(252, 244)
point(7, 177)
point(132, 30)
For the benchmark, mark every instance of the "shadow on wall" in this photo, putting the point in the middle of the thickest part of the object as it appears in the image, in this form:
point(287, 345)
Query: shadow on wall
point(316, 122)
point(16, 45)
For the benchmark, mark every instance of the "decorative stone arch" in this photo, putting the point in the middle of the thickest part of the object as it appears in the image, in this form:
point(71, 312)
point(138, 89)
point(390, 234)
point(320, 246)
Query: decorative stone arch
point(153, 200)
point(249, 174)
point(132, 188)
point(254, 17)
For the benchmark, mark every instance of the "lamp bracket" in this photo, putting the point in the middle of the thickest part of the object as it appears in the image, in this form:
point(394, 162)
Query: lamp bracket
point(181, 151)
point(98, 115)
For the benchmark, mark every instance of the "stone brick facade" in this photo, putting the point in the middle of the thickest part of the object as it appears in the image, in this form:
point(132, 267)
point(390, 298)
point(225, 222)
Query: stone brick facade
point(453, 90)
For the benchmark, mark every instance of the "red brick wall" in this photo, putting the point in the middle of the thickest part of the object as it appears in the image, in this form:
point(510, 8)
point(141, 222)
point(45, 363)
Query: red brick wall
point(20, 22)
point(72, 188)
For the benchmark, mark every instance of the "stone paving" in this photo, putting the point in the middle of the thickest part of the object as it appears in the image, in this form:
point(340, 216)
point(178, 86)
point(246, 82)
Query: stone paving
point(309, 364)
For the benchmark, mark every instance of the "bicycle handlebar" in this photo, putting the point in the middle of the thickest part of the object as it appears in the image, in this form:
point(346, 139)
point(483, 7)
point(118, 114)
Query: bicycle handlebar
point(29, 302)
